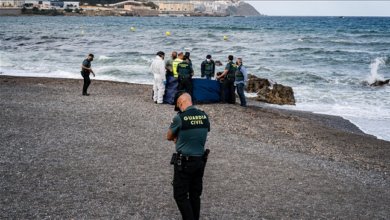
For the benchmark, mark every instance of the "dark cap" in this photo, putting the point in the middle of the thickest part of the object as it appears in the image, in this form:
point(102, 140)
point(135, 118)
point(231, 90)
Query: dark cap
point(208, 56)
point(177, 95)
point(91, 55)
point(187, 54)
point(230, 57)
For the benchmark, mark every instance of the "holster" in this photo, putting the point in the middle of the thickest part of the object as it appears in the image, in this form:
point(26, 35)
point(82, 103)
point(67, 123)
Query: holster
point(176, 160)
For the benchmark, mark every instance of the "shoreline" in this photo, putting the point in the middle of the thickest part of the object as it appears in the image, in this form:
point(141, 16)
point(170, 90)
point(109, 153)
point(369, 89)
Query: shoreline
point(64, 155)
point(339, 121)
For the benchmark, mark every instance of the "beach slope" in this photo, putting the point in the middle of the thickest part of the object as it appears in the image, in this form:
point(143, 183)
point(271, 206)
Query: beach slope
point(64, 155)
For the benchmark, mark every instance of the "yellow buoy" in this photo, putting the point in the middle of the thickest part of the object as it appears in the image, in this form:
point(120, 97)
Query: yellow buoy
point(82, 32)
point(132, 28)
point(168, 33)
point(224, 37)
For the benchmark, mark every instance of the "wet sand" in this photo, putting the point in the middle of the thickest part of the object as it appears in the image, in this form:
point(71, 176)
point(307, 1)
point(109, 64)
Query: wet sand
point(64, 155)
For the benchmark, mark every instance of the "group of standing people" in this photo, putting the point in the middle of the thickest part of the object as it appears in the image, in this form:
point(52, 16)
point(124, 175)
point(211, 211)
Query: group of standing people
point(189, 128)
point(179, 65)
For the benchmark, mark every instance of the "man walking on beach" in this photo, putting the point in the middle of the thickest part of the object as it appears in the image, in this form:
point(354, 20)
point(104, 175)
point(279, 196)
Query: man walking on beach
point(169, 62)
point(176, 62)
point(185, 72)
point(228, 82)
point(158, 70)
point(85, 71)
point(189, 132)
point(241, 79)
point(207, 68)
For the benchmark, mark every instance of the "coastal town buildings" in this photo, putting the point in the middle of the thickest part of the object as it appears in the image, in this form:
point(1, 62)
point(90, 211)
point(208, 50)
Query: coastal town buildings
point(53, 4)
point(176, 7)
point(190, 6)
point(11, 3)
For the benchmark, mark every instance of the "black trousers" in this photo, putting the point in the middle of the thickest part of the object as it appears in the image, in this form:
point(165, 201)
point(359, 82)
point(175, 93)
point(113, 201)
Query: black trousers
point(186, 83)
point(187, 188)
point(228, 83)
point(87, 82)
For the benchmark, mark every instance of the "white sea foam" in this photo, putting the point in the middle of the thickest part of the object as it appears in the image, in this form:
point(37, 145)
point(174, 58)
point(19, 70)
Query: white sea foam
point(252, 95)
point(374, 76)
point(300, 39)
point(102, 57)
point(4, 63)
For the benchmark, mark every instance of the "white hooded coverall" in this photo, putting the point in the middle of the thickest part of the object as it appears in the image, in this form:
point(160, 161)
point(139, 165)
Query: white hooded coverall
point(158, 69)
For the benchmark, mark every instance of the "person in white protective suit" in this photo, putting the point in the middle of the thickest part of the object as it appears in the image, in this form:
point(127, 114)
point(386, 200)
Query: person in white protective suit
point(158, 69)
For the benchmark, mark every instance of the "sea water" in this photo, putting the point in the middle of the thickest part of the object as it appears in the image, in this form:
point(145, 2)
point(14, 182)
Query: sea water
point(328, 61)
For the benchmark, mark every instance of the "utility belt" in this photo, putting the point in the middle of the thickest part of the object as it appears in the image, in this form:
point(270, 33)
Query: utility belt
point(178, 159)
point(183, 77)
point(229, 77)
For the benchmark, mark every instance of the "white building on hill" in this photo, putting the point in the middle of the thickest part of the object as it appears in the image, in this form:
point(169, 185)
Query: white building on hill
point(53, 4)
point(11, 3)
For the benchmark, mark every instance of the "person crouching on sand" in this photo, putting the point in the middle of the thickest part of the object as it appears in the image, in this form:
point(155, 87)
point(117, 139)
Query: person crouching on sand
point(158, 70)
point(85, 71)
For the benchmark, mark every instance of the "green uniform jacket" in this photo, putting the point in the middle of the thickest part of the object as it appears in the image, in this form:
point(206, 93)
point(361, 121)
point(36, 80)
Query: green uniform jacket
point(239, 74)
point(191, 128)
point(184, 69)
point(232, 67)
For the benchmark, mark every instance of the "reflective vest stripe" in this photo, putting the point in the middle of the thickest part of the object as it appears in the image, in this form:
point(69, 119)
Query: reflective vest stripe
point(174, 66)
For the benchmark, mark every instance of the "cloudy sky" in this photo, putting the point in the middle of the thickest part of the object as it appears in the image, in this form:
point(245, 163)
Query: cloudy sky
point(322, 8)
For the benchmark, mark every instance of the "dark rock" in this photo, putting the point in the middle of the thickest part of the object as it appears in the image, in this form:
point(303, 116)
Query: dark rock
point(279, 94)
point(218, 63)
point(255, 84)
point(380, 83)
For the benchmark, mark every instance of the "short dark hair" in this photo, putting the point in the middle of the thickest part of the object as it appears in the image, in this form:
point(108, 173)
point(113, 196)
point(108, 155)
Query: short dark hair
point(91, 55)
point(185, 58)
point(160, 53)
point(230, 57)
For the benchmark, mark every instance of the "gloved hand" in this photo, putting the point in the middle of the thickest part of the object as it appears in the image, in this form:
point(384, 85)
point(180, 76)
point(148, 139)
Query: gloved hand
point(165, 82)
point(245, 84)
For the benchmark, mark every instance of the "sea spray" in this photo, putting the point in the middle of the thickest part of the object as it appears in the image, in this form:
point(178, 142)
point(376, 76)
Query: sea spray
point(374, 66)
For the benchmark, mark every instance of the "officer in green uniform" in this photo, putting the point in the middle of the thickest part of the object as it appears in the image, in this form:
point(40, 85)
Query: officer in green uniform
point(207, 68)
point(185, 72)
point(228, 82)
point(189, 131)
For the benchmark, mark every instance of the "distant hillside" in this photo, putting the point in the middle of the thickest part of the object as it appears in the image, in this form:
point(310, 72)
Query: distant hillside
point(244, 9)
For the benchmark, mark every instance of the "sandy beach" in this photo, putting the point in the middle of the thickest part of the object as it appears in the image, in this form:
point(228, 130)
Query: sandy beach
point(67, 156)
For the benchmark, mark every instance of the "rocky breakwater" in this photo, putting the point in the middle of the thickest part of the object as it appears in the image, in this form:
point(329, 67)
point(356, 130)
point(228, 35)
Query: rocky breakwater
point(381, 83)
point(268, 92)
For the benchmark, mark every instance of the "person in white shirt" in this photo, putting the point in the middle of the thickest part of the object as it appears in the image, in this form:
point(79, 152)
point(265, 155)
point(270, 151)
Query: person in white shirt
point(158, 69)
